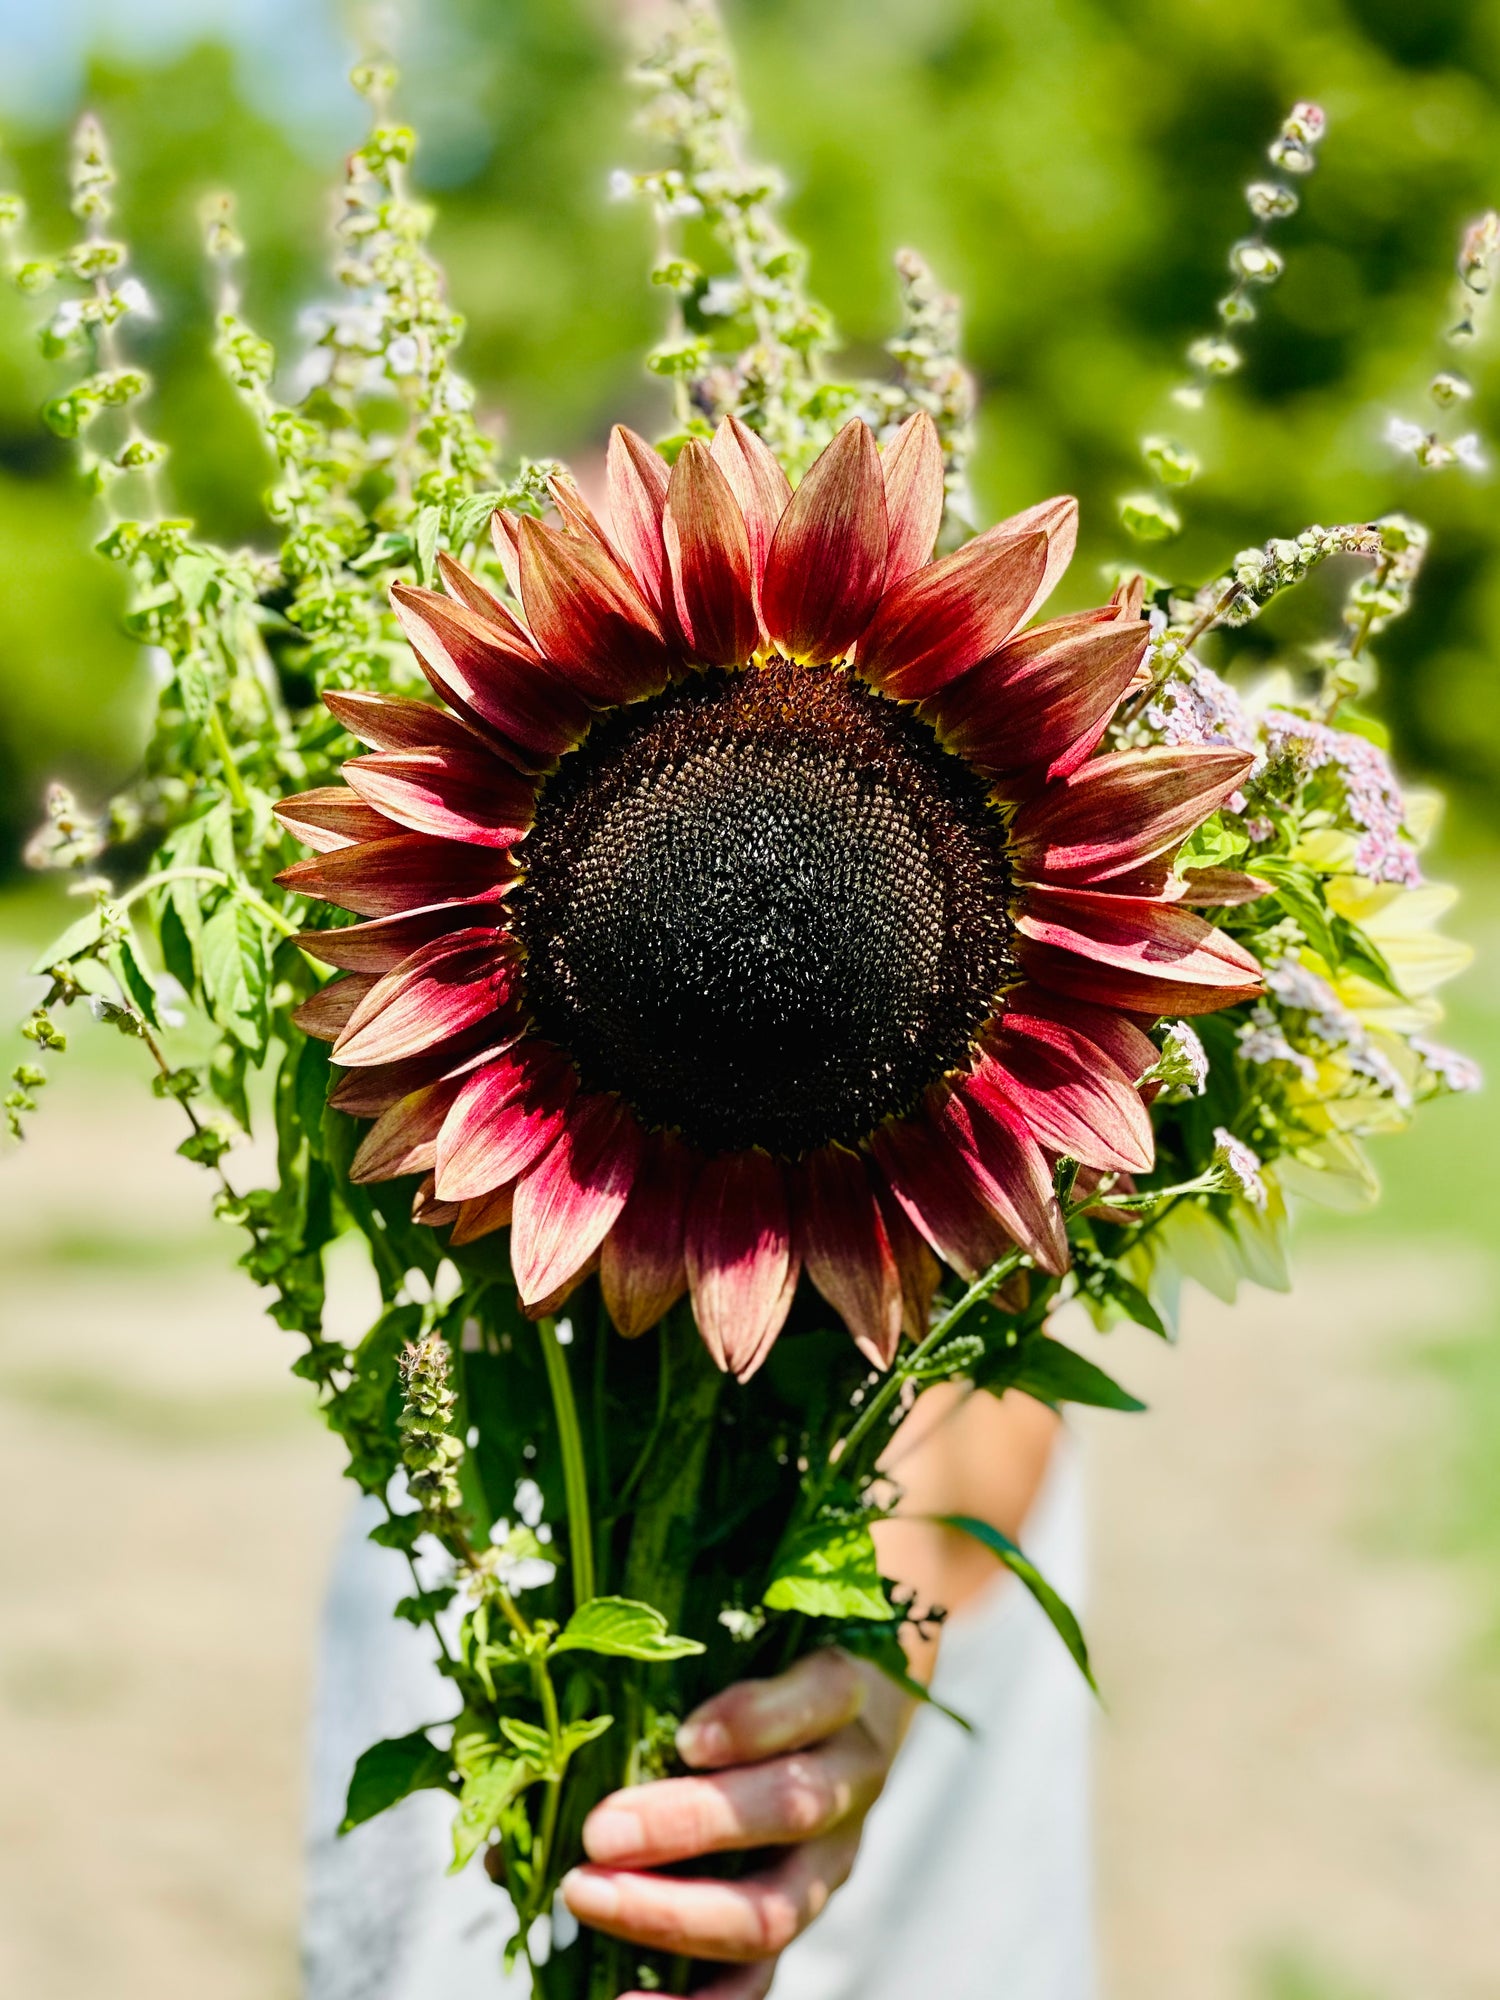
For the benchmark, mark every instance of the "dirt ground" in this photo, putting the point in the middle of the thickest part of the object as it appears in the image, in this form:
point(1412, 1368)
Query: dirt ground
point(1288, 1810)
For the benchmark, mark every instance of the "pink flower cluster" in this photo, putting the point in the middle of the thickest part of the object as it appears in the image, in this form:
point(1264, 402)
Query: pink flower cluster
point(1371, 797)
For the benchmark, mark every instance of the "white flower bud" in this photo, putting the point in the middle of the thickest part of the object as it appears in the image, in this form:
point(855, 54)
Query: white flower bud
point(1269, 200)
point(1182, 1065)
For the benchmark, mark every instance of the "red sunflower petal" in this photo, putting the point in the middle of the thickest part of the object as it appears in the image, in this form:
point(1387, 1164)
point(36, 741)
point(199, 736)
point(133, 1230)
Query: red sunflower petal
point(483, 1216)
point(826, 566)
point(403, 1139)
point(708, 553)
point(578, 517)
point(913, 466)
point(926, 1175)
point(1117, 812)
point(1128, 951)
point(499, 681)
point(380, 945)
point(390, 722)
point(847, 1252)
point(1038, 696)
point(917, 1269)
point(452, 794)
point(740, 1263)
point(642, 1270)
point(945, 618)
point(998, 1150)
point(331, 817)
point(1057, 519)
point(503, 1120)
point(365, 1093)
point(410, 871)
point(589, 618)
point(427, 1211)
point(325, 1014)
point(1123, 1041)
point(476, 596)
point(758, 484)
point(442, 989)
point(505, 533)
point(1070, 1094)
point(1219, 888)
point(569, 1201)
point(636, 476)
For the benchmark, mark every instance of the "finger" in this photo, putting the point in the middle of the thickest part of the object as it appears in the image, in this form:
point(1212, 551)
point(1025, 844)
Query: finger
point(751, 1982)
point(757, 1805)
point(756, 1719)
point(739, 1921)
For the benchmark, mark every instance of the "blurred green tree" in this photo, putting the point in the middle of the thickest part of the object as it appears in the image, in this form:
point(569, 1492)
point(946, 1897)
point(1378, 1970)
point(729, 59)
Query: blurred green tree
point(1072, 167)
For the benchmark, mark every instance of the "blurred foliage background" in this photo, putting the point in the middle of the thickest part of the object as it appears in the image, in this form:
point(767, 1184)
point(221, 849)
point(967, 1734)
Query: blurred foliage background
point(1073, 168)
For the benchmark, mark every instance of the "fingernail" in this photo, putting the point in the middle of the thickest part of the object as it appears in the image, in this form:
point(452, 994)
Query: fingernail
point(704, 1743)
point(592, 1897)
point(610, 1834)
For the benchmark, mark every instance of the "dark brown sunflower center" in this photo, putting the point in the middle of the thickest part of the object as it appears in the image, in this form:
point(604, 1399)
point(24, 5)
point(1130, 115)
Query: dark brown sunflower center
point(765, 907)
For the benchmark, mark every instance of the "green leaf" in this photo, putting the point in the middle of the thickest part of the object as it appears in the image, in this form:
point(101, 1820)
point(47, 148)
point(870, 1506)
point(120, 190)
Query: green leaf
point(424, 1605)
point(79, 937)
point(178, 955)
point(1299, 894)
point(534, 1744)
point(1055, 1374)
point(481, 1802)
point(135, 981)
point(218, 833)
point(1020, 1565)
point(1133, 1302)
point(576, 1734)
point(1214, 845)
point(1358, 954)
point(622, 1629)
point(388, 1772)
point(401, 1531)
point(233, 953)
point(184, 849)
point(429, 521)
point(880, 1646)
point(830, 1570)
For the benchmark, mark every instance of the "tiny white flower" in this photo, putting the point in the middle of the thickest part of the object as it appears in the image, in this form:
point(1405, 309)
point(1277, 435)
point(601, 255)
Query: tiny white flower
point(722, 298)
point(529, 1502)
point(1238, 1168)
point(1183, 1063)
point(134, 297)
point(403, 356)
point(1469, 451)
point(67, 320)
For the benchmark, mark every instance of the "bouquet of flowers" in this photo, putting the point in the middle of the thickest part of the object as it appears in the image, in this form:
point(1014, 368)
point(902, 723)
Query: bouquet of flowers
point(732, 965)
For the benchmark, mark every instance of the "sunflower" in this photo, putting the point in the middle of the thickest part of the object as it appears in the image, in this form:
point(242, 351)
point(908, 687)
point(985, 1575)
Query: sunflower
point(760, 902)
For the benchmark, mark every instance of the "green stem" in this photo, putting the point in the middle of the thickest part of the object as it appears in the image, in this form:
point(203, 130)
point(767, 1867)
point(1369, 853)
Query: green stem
point(643, 1458)
point(891, 1387)
point(575, 1475)
point(241, 889)
point(222, 744)
point(547, 1695)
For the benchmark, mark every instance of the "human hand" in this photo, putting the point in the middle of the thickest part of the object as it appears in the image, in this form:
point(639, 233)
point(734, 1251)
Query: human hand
point(796, 1761)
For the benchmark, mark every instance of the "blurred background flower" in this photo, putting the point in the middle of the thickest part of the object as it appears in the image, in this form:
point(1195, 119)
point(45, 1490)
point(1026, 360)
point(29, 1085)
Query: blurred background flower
point(1298, 1622)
